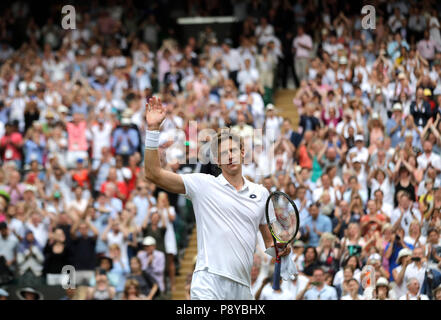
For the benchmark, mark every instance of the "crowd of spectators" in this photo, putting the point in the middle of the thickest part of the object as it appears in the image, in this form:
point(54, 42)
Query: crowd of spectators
point(363, 161)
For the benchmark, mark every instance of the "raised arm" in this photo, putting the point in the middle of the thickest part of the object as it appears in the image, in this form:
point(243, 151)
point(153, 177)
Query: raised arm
point(165, 179)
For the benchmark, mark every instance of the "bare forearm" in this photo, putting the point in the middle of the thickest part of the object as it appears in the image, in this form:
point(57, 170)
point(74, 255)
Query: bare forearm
point(165, 179)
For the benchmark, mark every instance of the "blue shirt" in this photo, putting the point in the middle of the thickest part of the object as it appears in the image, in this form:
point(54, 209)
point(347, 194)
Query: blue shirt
point(142, 207)
point(395, 138)
point(322, 224)
point(34, 151)
point(326, 293)
point(100, 224)
point(129, 141)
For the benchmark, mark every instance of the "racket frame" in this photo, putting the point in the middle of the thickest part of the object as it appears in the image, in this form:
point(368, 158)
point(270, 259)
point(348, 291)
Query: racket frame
point(277, 267)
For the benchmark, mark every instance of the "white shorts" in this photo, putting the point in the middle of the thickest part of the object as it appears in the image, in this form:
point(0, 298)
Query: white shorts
point(209, 286)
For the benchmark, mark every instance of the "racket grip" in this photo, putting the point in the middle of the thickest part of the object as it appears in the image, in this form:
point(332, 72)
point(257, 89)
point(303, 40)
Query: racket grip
point(276, 280)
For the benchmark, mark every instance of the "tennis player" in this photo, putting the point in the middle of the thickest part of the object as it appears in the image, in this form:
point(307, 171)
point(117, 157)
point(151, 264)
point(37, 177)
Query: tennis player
point(229, 211)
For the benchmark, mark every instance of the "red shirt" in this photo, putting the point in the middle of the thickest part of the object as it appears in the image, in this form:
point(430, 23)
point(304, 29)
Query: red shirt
point(132, 182)
point(372, 224)
point(10, 142)
point(122, 187)
point(82, 177)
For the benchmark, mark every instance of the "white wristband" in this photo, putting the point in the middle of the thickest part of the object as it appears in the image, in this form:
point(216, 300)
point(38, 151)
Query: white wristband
point(151, 139)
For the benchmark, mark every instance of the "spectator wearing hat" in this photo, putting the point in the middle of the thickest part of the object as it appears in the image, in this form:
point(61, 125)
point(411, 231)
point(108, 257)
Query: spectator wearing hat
point(403, 260)
point(29, 293)
point(298, 248)
point(272, 123)
point(359, 150)
point(395, 124)
point(353, 291)
point(153, 261)
point(119, 267)
point(382, 290)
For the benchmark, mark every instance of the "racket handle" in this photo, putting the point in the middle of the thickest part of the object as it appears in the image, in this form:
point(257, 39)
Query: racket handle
point(276, 280)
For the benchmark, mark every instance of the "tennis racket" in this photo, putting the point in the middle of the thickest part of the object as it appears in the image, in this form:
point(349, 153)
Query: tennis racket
point(282, 217)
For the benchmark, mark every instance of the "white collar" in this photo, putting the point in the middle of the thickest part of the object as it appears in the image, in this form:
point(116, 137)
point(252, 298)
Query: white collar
point(223, 181)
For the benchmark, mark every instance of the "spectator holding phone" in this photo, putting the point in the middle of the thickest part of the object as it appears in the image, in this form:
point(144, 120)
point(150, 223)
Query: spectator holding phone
point(317, 289)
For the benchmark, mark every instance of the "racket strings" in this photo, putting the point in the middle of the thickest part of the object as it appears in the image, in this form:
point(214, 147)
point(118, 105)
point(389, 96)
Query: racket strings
point(284, 224)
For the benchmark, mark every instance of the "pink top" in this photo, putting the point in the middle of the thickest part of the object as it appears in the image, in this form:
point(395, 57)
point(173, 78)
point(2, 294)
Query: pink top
point(77, 136)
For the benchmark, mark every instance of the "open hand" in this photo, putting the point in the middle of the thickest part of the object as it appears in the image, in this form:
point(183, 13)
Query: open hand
point(155, 113)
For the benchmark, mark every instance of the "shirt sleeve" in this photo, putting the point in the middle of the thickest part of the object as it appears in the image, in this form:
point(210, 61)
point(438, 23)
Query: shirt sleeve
point(194, 183)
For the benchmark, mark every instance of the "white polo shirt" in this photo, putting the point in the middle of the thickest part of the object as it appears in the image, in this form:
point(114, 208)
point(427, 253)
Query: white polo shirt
point(227, 224)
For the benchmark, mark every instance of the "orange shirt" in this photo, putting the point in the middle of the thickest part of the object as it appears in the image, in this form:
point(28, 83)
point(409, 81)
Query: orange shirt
point(373, 224)
point(304, 160)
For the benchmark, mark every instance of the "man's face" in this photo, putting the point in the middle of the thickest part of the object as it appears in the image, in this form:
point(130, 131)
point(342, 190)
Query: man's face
point(231, 156)
point(434, 237)
point(4, 232)
point(414, 287)
point(353, 286)
point(379, 196)
point(405, 201)
point(313, 211)
point(418, 253)
point(371, 206)
point(427, 147)
point(149, 249)
point(83, 229)
point(325, 181)
point(331, 154)
point(319, 276)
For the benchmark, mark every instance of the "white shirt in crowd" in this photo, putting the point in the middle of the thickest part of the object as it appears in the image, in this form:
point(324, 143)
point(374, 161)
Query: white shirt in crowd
point(424, 160)
point(409, 215)
point(409, 296)
point(100, 138)
point(295, 286)
point(300, 51)
point(268, 293)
